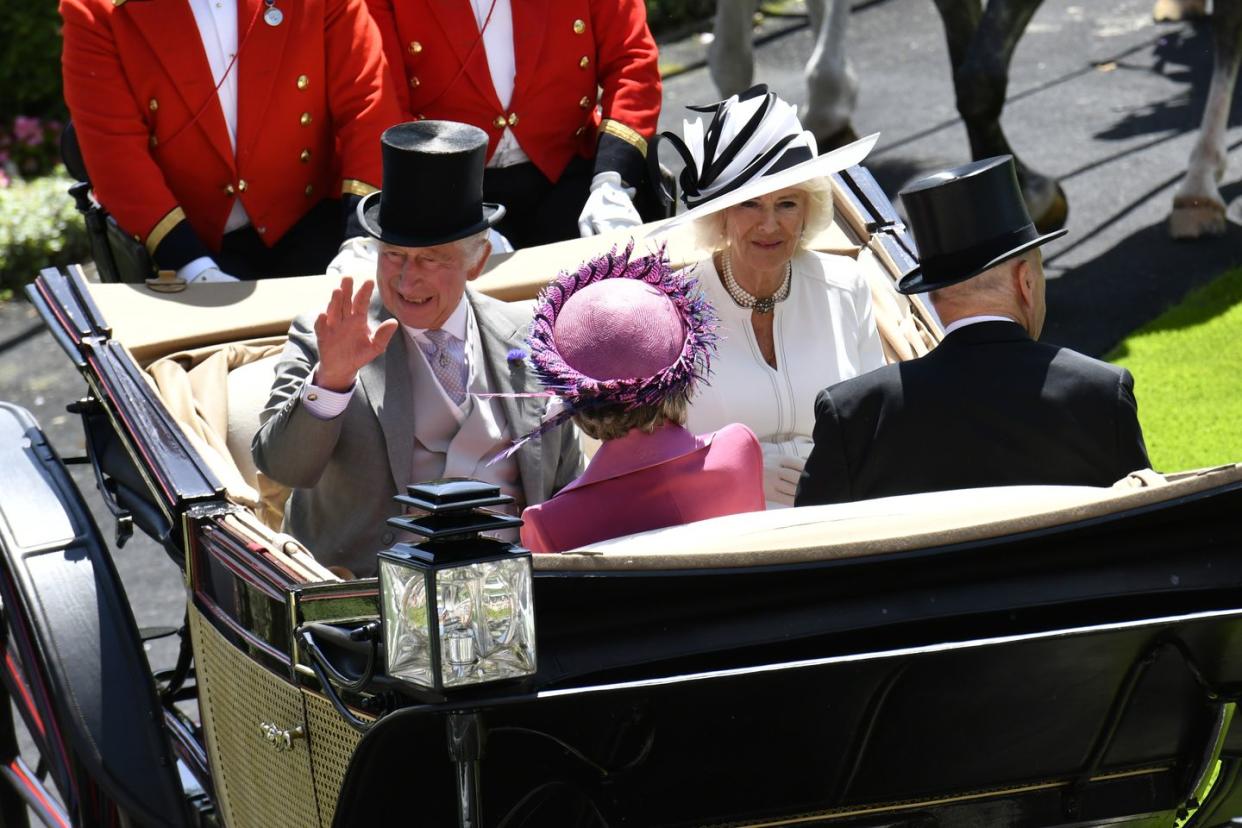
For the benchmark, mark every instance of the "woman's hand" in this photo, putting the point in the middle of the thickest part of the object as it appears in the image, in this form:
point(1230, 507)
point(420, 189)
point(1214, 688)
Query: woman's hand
point(346, 341)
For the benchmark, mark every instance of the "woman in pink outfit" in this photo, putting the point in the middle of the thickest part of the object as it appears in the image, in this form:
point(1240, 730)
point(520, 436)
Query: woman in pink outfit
point(624, 343)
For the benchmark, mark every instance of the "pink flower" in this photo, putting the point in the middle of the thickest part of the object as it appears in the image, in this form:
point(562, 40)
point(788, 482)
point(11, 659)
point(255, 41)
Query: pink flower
point(28, 130)
point(4, 179)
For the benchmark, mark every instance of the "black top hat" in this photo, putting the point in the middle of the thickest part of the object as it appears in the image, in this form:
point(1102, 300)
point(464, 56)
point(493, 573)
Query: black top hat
point(966, 220)
point(433, 185)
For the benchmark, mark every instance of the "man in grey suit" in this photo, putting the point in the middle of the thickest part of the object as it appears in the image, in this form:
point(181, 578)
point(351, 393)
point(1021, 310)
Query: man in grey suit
point(372, 395)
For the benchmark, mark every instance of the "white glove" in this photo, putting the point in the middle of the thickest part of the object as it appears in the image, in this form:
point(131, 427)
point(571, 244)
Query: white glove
point(203, 269)
point(214, 274)
point(780, 478)
point(610, 206)
point(356, 257)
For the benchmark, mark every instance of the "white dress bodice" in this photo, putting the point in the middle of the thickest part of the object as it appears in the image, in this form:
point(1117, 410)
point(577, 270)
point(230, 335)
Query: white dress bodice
point(824, 332)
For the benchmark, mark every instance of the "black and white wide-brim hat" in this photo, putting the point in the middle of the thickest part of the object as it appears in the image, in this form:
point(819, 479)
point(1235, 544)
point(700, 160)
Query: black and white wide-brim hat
point(753, 145)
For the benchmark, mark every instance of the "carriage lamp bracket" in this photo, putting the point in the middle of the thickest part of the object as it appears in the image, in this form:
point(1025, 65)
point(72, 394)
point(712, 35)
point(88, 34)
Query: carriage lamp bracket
point(329, 676)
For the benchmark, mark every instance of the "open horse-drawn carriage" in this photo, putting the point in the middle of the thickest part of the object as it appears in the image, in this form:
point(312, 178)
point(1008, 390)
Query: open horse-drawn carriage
point(1027, 655)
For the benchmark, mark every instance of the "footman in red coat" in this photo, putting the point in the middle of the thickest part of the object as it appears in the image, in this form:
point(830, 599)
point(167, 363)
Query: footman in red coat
point(229, 136)
point(568, 92)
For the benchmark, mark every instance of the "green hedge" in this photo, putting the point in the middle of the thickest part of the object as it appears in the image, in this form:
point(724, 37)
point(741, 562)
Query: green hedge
point(39, 227)
point(30, 60)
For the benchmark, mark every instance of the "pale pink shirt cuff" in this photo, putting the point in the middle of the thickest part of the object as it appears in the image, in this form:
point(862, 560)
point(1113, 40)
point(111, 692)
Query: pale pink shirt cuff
point(322, 403)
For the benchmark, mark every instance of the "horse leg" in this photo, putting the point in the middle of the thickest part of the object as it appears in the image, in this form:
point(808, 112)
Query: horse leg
point(961, 21)
point(1198, 209)
point(980, 79)
point(831, 83)
point(731, 55)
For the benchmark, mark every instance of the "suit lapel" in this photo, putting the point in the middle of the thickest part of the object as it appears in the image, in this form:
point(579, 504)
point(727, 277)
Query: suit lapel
point(259, 57)
point(507, 377)
point(172, 35)
point(530, 21)
point(456, 18)
point(386, 383)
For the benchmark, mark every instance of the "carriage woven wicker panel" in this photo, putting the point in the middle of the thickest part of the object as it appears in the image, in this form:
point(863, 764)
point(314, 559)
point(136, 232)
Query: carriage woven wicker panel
point(332, 744)
point(256, 784)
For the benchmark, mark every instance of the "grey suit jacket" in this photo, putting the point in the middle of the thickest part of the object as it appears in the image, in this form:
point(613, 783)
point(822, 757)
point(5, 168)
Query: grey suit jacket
point(345, 471)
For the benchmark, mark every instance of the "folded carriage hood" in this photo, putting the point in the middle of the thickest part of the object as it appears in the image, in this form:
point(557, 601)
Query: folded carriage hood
point(885, 525)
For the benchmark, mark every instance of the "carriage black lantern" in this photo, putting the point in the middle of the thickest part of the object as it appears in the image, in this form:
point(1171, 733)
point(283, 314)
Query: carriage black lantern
point(456, 609)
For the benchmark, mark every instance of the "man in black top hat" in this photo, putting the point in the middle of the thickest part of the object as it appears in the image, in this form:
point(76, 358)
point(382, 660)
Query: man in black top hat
point(371, 396)
point(990, 406)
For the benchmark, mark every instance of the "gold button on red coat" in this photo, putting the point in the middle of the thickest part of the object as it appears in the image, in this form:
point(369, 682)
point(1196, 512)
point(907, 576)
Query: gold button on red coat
point(154, 104)
point(415, 82)
point(579, 26)
point(415, 47)
point(310, 188)
point(305, 119)
point(228, 189)
point(500, 122)
point(584, 63)
point(513, 119)
point(303, 81)
point(305, 156)
point(585, 103)
point(241, 186)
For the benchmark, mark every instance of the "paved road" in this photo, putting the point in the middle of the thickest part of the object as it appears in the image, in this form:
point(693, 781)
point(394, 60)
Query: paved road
point(1099, 96)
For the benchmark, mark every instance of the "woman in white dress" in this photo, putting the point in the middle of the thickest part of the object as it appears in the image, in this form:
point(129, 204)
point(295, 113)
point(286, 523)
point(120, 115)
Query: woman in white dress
point(792, 321)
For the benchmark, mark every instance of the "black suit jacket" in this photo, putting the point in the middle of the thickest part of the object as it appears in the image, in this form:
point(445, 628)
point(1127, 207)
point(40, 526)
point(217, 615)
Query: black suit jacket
point(988, 407)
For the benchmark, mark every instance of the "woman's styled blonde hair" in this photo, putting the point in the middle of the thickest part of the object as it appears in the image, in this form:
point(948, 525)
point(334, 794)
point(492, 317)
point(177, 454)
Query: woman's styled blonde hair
point(709, 231)
point(612, 421)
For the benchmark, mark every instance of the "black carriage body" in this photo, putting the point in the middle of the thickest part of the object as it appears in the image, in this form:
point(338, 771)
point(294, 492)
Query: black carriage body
point(1080, 673)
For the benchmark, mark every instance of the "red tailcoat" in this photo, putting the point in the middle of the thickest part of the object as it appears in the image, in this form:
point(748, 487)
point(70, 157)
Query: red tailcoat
point(565, 51)
point(313, 98)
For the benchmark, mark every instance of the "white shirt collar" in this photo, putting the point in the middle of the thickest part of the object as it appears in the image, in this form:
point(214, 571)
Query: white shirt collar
point(972, 320)
point(456, 324)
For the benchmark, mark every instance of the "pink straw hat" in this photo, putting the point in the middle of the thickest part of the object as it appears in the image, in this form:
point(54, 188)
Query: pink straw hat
point(620, 331)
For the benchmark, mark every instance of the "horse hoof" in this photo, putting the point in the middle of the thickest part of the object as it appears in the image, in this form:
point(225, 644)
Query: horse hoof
point(1171, 11)
point(843, 136)
point(1196, 218)
point(1055, 214)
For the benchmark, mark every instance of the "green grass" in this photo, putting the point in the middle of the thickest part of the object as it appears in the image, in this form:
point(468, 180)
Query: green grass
point(1187, 367)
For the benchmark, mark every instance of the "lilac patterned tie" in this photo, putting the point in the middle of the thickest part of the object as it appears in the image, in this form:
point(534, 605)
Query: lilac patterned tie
point(446, 354)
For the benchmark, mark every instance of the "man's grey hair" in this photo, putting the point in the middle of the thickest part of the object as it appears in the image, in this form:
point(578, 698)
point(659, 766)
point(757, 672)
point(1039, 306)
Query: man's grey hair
point(475, 245)
point(993, 283)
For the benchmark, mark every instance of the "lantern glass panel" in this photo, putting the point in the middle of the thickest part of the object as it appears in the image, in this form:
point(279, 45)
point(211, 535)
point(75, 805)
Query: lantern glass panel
point(487, 621)
point(406, 636)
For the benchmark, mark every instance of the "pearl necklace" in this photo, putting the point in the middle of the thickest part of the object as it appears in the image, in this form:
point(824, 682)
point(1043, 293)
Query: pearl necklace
point(743, 299)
